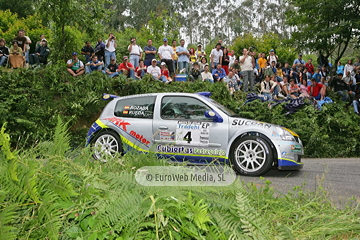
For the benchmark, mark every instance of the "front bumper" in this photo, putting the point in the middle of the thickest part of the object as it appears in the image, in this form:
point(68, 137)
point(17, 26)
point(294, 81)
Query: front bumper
point(289, 155)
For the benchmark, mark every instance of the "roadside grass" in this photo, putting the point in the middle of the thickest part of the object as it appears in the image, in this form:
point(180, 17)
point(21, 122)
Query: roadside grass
point(52, 192)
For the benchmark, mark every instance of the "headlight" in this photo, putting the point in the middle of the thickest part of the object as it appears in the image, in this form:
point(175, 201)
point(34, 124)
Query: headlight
point(284, 134)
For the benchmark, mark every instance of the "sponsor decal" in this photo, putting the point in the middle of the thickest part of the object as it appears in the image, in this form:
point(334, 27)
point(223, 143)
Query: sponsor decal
point(137, 113)
point(127, 107)
point(125, 112)
point(287, 155)
point(189, 150)
point(119, 122)
point(244, 122)
point(275, 134)
point(139, 137)
point(296, 148)
point(166, 135)
point(137, 108)
point(193, 132)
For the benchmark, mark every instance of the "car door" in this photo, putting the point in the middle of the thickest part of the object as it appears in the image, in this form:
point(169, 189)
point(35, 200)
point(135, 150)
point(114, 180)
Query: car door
point(181, 130)
point(134, 119)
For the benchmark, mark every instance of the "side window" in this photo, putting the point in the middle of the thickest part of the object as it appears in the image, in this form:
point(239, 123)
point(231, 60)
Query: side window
point(173, 107)
point(140, 107)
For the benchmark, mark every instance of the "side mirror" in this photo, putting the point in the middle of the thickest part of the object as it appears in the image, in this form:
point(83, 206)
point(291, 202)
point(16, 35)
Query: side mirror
point(214, 116)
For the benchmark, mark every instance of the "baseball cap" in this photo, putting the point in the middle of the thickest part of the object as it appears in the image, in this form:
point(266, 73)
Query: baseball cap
point(300, 54)
point(165, 40)
point(271, 50)
point(154, 60)
point(199, 45)
point(163, 63)
point(74, 53)
point(125, 57)
point(44, 40)
point(111, 59)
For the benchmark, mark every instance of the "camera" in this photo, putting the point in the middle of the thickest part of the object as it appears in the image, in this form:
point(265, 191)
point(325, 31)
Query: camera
point(112, 37)
point(132, 41)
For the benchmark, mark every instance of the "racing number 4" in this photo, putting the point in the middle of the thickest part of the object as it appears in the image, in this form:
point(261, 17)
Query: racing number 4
point(187, 137)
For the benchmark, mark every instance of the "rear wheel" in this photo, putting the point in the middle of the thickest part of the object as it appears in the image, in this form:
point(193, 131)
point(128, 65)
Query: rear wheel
point(251, 156)
point(106, 145)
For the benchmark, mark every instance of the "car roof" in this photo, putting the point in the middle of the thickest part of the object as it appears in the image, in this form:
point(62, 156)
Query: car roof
point(159, 94)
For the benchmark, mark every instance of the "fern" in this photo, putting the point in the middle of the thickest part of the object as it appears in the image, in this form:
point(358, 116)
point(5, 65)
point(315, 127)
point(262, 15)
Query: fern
point(7, 217)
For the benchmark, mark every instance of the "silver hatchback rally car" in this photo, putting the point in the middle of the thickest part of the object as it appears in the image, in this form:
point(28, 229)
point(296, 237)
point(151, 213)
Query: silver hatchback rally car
point(195, 128)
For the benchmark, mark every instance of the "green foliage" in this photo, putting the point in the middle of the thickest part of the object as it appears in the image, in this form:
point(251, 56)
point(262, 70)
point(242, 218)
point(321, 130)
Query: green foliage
point(57, 197)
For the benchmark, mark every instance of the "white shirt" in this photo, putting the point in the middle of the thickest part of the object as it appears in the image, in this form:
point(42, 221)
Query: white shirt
point(272, 58)
point(166, 52)
point(231, 59)
point(207, 75)
point(155, 71)
point(216, 55)
point(247, 64)
point(111, 47)
point(135, 50)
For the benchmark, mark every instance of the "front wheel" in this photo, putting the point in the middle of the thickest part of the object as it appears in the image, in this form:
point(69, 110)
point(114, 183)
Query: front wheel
point(106, 145)
point(251, 156)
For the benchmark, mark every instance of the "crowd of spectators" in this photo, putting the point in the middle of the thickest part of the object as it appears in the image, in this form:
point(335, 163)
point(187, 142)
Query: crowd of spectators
point(18, 55)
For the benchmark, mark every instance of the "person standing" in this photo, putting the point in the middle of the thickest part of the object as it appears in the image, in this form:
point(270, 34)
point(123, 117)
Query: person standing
point(183, 55)
point(200, 53)
point(166, 53)
point(216, 56)
point(88, 51)
point(110, 47)
point(150, 52)
point(100, 49)
point(247, 63)
point(135, 52)
point(21, 40)
point(175, 56)
point(28, 42)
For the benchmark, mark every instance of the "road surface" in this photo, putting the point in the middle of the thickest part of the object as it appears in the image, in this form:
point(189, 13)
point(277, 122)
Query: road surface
point(340, 177)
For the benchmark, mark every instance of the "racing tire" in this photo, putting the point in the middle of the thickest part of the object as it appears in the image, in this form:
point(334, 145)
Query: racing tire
point(251, 156)
point(106, 145)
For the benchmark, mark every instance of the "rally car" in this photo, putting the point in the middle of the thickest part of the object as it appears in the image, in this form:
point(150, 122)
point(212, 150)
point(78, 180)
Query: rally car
point(193, 128)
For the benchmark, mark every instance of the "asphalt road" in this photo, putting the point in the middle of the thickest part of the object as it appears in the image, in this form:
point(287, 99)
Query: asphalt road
point(339, 177)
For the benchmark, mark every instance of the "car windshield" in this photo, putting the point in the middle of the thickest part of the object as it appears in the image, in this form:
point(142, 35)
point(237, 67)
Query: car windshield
point(222, 108)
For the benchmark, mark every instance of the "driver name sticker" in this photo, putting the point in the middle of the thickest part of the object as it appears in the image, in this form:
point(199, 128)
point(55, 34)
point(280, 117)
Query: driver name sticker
point(188, 132)
point(166, 135)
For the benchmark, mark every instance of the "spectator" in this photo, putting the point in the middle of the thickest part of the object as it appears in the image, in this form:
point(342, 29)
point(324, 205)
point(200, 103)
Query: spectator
point(218, 73)
point(166, 53)
point(357, 80)
point(110, 47)
point(206, 75)
point(357, 64)
point(16, 58)
point(100, 50)
point(349, 67)
point(165, 73)
point(301, 75)
point(324, 73)
point(216, 56)
point(94, 65)
point(340, 68)
point(309, 68)
point(342, 88)
point(285, 86)
point(41, 54)
point(317, 76)
point(38, 43)
point(268, 87)
point(299, 62)
point(4, 52)
point(154, 70)
point(304, 89)
point(183, 56)
point(140, 70)
point(150, 52)
point(126, 68)
point(202, 64)
point(135, 52)
point(247, 66)
point(112, 69)
point(286, 70)
point(88, 51)
point(262, 64)
point(195, 73)
point(356, 104)
point(232, 57)
point(317, 90)
point(225, 61)
point(192, 56)
point(27, 47)
point(279, 72)
point(231, 82)
point(21, 40)
point(75, 66)
point(200, 53)
point(294, 89)
point(272, 57)
point(175, 57)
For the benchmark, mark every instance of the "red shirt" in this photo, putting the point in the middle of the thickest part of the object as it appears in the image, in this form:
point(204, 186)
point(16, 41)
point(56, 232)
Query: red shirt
point(165, 72)
point(316, 89)
point(127, 67)
point(310, 68)
point(138, 71)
